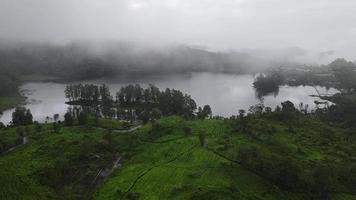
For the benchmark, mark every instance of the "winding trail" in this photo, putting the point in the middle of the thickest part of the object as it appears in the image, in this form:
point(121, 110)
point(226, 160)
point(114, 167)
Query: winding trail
point(120, 130)
point(128, 130)
point(102, 175)
point(105, 172)
point(163, 141)
point(24, 141)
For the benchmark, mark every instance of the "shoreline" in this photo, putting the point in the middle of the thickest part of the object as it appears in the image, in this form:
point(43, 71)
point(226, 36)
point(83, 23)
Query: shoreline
point(9, 102)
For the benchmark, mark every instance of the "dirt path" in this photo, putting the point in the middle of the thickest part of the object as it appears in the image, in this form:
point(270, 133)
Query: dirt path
point(24, 141)
point(102, 175)
point(105, 172)
point(128, 130)
point(120, 130)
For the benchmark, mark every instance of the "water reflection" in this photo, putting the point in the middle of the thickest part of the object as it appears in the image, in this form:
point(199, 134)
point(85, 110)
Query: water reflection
point(260, 93)
point(225, 93)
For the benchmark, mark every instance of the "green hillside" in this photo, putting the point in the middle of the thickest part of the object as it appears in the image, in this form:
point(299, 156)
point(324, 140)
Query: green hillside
point(171, 163)
point(173, 158)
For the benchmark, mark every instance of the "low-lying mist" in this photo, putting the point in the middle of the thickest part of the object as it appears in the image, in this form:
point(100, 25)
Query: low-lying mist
point(83, 60)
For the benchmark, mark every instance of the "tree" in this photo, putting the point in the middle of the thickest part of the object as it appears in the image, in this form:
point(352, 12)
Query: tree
point(20, 131)
point(144, 116)
point(207, 111)
point(28, 117)
point(68, 119)
point(288, 107)
point(268, 84)
point(268, 109)
point(344, 73)
point(200, 113)
point(241, 114)
point(83, 118)
point(38, 127)
point(56, 127)
point(323, 180)
point(55, 117)
point(286, 172)
point(156, 113)
point(204, 113)
point(22, 116)
point(242, 119)
point(28, 130)
point(256, 109)
point(189, 107)
point(2, 125)
point(351, 176)
point(278, 109)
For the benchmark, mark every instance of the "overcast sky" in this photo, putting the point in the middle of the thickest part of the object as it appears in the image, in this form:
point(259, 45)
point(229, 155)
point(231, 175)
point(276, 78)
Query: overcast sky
point(317, 25)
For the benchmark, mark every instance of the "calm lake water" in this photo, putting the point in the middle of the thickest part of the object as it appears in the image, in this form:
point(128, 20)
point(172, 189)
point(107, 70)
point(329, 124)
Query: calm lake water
point(225, 93)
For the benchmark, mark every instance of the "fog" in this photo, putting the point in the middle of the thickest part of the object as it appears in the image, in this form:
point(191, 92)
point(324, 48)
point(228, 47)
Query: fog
point(317, 31)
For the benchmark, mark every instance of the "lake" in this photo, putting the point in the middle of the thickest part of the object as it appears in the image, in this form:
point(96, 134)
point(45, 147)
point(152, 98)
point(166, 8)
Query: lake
point(225, 93)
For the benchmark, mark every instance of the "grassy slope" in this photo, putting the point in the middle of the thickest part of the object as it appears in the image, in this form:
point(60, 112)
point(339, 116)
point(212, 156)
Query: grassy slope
point(166, 164)
point(8, 139)
point(106, 123)
point(169, 168)
point(182, 169)
point(53, 166)
point(11, 102)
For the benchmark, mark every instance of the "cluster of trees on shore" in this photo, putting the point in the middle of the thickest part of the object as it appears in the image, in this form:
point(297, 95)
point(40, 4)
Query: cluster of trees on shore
point(22, 116)
point(133, 102)
point(267, 84)
point(343, 111)
point(339, 74)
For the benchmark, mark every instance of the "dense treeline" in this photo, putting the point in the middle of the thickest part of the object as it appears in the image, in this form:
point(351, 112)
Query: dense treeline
point(283, 168)
point(339, 74)
point(343, 111)
point(101, 59)
point(133, 102)
point(78, 61)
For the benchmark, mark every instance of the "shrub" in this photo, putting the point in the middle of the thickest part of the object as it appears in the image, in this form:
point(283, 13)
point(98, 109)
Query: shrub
point(83, 118)
point(56, 127)
point(68, 119)
point(187, 130)
point(38, 127)
point(202, 138)
point(2, 125)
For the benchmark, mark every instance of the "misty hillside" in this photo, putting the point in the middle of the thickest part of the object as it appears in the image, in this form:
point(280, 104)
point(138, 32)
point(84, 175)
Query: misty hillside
point(92, 61)
point(177, 100)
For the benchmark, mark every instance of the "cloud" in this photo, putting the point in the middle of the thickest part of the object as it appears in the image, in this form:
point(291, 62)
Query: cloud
point(316, 25)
